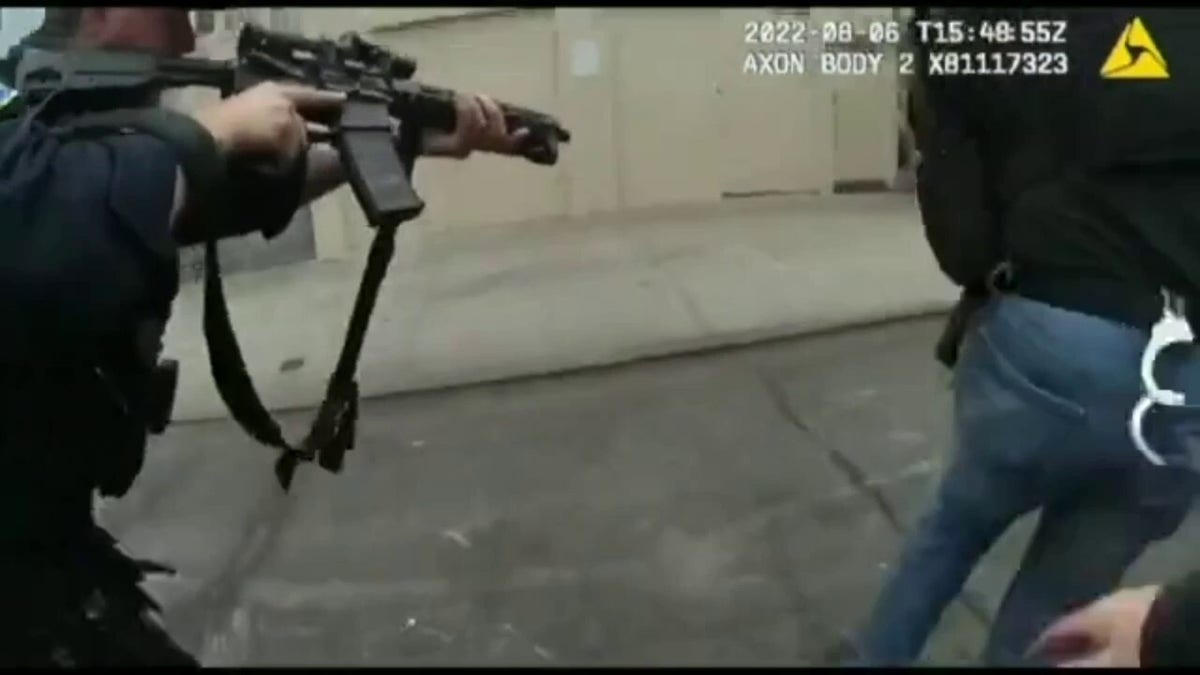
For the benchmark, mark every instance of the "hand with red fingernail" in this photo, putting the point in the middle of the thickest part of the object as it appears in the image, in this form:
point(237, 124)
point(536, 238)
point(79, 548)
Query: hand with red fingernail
point(1105, 634)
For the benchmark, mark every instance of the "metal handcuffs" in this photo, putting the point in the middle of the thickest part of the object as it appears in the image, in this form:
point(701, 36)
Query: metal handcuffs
point(1171, 329)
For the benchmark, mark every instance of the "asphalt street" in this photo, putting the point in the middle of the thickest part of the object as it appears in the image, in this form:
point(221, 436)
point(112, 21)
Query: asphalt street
point(737, 507)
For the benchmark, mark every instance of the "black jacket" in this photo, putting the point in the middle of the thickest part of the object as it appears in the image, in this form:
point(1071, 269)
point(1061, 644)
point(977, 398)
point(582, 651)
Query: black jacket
point(1085, 175)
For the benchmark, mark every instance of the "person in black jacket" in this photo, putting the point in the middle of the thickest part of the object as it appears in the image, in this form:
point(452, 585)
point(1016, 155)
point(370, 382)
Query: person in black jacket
point(89, 229)
point(1151, 627)
point(1064, 203)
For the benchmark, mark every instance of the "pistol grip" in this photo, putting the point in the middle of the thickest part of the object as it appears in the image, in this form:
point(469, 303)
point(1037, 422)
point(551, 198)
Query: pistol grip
point(373, 168)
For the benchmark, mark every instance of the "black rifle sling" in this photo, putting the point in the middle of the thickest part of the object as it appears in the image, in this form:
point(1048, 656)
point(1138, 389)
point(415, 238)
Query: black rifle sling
point(332, 431)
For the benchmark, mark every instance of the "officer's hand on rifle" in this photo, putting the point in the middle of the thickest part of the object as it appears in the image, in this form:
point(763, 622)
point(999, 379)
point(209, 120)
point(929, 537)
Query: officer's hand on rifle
point(479, 126)
point(267, 120)
point(265, 123)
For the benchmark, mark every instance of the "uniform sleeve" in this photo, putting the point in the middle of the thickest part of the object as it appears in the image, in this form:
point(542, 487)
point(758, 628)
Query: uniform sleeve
point(1171, 634)
point(94, 250)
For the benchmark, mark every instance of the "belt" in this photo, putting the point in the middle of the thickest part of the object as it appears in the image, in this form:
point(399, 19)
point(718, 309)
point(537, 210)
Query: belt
point(1113, 299)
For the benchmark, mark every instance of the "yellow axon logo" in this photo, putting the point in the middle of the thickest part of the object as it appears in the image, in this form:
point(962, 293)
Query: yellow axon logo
point(1135, 56)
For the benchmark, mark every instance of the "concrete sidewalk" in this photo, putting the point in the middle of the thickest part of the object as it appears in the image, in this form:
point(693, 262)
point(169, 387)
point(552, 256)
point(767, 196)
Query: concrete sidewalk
point(739, 508)
point(480, 304)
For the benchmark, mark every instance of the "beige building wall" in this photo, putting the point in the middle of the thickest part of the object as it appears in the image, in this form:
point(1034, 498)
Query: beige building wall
point(656, 99)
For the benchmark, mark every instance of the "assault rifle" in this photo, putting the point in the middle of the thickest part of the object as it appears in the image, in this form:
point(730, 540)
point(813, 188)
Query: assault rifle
point(377, 136)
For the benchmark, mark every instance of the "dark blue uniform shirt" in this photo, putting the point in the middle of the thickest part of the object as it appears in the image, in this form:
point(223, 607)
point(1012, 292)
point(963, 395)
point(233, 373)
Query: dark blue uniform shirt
point(86, 237)
point(86, 259)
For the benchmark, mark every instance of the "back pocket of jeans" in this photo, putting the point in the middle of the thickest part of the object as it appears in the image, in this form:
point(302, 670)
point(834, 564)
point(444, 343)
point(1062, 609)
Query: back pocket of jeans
point(1004, 416)
point(1024, 384)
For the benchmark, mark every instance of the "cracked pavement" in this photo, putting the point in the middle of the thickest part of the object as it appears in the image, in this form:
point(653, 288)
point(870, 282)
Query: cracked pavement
point(736, 507)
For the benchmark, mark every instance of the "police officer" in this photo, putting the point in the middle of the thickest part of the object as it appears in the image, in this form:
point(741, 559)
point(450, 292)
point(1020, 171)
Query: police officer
point(1065, 204)
point(89, 235)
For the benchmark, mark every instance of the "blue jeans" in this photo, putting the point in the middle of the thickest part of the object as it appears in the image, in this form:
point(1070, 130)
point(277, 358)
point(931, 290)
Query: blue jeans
point(1042, 400)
